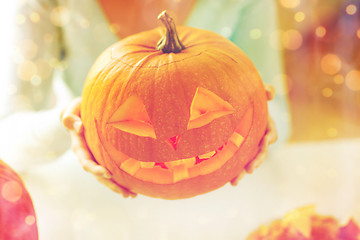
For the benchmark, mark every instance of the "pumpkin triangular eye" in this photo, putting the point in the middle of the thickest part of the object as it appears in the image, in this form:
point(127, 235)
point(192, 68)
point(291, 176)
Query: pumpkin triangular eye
point(132, 117)
point(206, 107)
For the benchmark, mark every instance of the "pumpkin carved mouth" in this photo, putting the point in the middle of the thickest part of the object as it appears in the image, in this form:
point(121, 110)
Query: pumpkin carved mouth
point(175, 171)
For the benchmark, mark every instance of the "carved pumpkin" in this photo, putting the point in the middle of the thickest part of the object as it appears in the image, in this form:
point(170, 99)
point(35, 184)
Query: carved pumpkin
point(17, 215)
point(175, 118)
point(305, 224)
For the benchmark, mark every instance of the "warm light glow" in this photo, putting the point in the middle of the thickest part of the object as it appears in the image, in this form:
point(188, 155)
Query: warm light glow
point(299, 16)
point(352, 80)
point(226, 31)
point(255, 33)
point(26, 70)
point(358, 33)
point(320, 31)
point(351, 9)
point(84, 23)
point(291, 39)
point(28, 49)
point(290, 3)
point(11, 191)
point(330, 64)
point(43, 68)
point(332, 132)
point(327, 92)
point(35, 80)
point(35, 17)
point(339, 79)
point(30, 220)
point(60, 16)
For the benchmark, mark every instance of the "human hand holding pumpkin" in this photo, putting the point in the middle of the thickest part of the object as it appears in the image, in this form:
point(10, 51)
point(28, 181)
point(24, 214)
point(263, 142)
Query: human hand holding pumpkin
point(70, 118)
point(269, 138)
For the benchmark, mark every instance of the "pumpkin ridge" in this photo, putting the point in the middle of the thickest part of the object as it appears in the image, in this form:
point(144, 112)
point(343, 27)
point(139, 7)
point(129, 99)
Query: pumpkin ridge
point(93, 82)
point(161, 65)
point(206, 43)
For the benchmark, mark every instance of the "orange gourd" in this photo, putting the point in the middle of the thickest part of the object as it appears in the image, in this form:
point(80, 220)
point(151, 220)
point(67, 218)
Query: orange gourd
point(177, 117)
point(17, 215)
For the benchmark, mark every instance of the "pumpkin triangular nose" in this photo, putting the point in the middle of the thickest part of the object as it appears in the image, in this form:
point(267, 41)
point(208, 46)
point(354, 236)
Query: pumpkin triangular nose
point(174, 141)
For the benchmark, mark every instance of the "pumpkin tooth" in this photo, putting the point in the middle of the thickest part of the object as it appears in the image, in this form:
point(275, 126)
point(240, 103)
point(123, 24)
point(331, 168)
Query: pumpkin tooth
point(130, 166)
point(236, 139)
point(180, 172)
point(207, 155)
point(147, 164)
point(187, 162)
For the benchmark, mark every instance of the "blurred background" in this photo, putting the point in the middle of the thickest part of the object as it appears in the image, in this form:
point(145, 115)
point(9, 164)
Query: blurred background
point(321, 44)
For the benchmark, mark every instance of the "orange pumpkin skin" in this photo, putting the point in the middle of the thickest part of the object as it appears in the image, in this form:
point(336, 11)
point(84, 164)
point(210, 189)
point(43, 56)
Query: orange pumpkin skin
point(17, 215)
point(167, 83)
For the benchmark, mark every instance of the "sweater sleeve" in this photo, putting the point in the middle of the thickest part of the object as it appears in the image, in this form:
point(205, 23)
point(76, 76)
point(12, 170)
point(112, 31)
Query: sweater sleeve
point(256, 33)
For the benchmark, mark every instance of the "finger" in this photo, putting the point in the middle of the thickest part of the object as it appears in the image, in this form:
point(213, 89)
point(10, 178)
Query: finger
point(86, 159)
point(71, 115)
point(236, 180)
point(272, 131)
point(116, 188)
point(260, 158)
point(269, 138)
point(270, 91)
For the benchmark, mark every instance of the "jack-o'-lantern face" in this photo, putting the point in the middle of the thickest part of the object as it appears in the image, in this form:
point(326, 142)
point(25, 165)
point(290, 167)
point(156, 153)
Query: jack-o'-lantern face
point(139, 152)
point(174, 124)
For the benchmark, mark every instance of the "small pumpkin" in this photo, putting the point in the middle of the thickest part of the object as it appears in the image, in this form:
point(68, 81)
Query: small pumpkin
point(17, 215)
point(177, 117)
point(305, 224)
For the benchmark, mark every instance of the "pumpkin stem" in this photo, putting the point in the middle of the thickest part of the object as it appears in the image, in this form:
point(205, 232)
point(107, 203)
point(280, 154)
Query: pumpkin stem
point(170, 41)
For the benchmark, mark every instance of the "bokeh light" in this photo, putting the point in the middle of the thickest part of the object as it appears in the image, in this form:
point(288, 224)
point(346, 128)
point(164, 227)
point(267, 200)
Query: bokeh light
point(299, 16)
point(327, 92)
point(351, 9)
point(358, 33)
point(28, 49)
point(352, 80)
point(320, 31)
point(35, 80)
point(255, 33)
point(226, 31)
point(339, 79)
point(30, 220)
point(26, 70)
point(330, 64)
point(35, 17)
point(291, 39)
point(60, 16)
point(290, 3)
point(332, 132)
point(11, 191)
point(84, 23)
